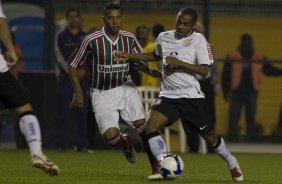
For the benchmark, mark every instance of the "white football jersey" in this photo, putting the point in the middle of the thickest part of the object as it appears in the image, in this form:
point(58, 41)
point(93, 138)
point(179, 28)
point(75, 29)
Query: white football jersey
point(193, 49)
point(3, 63)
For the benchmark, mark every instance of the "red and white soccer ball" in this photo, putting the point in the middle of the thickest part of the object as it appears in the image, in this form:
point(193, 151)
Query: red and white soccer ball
point(171, 166)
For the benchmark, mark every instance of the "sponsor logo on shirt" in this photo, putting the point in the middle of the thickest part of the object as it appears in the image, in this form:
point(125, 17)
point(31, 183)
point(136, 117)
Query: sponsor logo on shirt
point(113, 68)
point(187, 42)
point(167, 67)
point(209, 51)
point(167, 87)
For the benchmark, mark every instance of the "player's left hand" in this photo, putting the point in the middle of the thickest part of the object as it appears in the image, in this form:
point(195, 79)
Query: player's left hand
point(172, 61)
point(12, 58)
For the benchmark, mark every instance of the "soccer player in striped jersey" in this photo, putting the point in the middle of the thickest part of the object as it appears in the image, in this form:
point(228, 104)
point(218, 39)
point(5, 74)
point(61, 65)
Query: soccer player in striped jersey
point(13, 96)
point(112, 91)
point(184, 53)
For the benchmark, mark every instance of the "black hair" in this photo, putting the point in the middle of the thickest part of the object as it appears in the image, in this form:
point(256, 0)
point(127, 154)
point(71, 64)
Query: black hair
point(71, 10)
point(112, 6)
point(157, 29)
point(246, 38)
point(191, 12)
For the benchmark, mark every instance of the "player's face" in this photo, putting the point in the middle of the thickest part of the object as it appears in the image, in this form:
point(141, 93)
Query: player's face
point(143, 33)
point(74, 20)
point(184, 25)
point(113, 21)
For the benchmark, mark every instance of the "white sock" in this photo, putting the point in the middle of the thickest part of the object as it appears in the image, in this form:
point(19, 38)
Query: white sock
point(224, 153)
point(29, 127)
point(157, 146)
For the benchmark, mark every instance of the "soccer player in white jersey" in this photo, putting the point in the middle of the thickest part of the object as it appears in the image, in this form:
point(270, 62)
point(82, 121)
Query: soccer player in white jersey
point(12, 96)
point(184, 53)
point(112, 92)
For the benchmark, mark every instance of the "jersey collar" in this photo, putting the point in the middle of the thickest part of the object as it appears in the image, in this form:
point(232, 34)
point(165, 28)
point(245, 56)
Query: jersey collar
point(108, 38)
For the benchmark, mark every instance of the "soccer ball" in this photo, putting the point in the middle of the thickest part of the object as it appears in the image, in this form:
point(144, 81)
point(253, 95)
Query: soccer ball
point(171, 166)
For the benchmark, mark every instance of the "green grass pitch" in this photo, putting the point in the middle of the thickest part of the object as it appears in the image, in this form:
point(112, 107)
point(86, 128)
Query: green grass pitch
point(110, 167)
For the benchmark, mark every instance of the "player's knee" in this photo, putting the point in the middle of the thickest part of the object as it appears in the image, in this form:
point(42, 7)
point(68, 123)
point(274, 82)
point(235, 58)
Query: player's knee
point(138, 123)
point(152, 126)
point(111, 133)
point(211, 137)
point(25, 108)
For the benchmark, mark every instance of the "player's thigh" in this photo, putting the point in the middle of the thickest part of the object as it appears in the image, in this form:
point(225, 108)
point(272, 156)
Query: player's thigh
point(11, 93)
point(155, 121)
point(105, 109)
point(133, 109)
point(194, 116)
point(106, 120)
point(167, 108)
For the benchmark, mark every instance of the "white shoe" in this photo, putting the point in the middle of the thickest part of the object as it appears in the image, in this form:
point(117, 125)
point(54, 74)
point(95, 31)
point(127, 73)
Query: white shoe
point(236, 172)
point(155, 177)
point(42, 162)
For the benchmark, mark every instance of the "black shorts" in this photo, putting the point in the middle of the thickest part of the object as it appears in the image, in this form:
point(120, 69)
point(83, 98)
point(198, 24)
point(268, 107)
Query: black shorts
point(11, 93)
point(192, 111)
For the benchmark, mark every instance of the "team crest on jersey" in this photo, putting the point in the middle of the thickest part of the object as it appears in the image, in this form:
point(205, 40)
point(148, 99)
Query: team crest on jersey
point(187, 42)
point(174, 54)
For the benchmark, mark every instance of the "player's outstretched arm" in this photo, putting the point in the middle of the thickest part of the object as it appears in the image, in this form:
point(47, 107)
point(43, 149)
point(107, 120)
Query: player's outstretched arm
point(145, 57)
point(78, 98)
point(144, 67)
point(198, 69)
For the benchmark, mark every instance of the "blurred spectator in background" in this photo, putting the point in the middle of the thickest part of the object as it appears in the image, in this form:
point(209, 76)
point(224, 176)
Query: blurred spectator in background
point(142, 35)
point(147, 80)
point(210, 87)
point(241, 83)
point(66, 41)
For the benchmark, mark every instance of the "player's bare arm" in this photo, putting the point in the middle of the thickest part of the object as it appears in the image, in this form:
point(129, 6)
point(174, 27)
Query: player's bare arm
point(144, 67)
point(198, 69)
point(5, 37)
point(145, 57)
point(78, 98)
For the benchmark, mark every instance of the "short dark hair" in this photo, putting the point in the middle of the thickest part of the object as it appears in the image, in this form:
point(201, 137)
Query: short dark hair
point(112, 6)
point(71, 10)
point(246, 37)
point(157, 29)
point(191, 12)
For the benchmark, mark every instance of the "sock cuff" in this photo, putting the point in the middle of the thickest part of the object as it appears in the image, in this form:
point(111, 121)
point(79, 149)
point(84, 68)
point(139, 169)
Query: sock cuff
point(140, 129)
point(26, 113)
point(115, 140)
point(152, 134)
point(217, 143)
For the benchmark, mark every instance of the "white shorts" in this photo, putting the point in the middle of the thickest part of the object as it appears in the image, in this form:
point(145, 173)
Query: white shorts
point(123, 100)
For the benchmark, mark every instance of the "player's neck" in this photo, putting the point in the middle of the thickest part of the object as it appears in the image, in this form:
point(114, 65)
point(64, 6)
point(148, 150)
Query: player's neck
point(74, 30)
point(112, 36)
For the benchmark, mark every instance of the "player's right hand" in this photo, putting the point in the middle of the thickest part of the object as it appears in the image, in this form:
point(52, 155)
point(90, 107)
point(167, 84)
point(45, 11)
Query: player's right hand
point(12, 58)
point(77, 100)
point(121, 56)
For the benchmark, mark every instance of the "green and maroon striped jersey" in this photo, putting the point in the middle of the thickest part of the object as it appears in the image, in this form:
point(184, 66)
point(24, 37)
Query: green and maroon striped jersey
point(96, 51)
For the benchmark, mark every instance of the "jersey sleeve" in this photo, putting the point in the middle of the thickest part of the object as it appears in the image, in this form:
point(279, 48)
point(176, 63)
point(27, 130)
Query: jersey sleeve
point(80, 54)
point(2, 15)
point(136, 47)
point(203, 52)
point(158, 47)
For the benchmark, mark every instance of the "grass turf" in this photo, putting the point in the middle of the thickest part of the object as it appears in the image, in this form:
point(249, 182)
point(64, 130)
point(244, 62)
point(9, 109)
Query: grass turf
point(109, 167)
